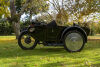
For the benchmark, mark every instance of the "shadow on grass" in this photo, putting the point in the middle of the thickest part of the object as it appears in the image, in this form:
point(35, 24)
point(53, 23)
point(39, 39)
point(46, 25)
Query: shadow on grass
point(69, 64)
point(92, 45)
point(57, 64)
point(96, 65)
point(72, 64)
point(11, 50)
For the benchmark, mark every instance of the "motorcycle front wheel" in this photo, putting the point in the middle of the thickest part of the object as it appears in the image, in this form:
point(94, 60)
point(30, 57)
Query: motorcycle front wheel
point(26, 41)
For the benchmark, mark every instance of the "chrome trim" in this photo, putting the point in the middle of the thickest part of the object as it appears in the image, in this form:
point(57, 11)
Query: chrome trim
point(74, 41)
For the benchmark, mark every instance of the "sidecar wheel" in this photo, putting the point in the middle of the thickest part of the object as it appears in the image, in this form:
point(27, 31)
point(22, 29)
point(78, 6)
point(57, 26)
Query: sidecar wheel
point(74, 41)
point(26, 42)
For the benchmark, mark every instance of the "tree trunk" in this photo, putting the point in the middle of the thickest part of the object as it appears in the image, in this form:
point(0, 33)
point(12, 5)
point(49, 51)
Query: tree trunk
point(15, 24)
point(16, 27)
point(30, 17)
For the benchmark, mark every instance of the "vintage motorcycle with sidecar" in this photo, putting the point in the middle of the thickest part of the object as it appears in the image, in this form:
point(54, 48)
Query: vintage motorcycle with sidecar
point(73, 38)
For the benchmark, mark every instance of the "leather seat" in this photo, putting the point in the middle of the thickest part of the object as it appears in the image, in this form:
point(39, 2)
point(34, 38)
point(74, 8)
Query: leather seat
point(52, 24)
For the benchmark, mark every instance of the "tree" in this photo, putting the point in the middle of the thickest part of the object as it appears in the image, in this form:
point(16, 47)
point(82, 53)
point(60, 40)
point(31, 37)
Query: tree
point(62, 16)
point(18, 7)
point(75, 9)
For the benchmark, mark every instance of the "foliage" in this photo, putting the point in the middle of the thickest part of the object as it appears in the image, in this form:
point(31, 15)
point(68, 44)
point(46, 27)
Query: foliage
point(35, 7)
point(95, 27)
point(75, 10)
point(4, 10)
point(5, 28)
point(13, 9)
point(98, 27)
point(45, 17)
point(18, 5)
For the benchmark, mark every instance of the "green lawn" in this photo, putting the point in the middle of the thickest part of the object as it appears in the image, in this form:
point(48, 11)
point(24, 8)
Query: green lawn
point(7, 38)
point(12, 56)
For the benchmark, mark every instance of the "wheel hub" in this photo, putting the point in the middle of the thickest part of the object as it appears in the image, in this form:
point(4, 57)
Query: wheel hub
point(73, 39)
point(28, 40)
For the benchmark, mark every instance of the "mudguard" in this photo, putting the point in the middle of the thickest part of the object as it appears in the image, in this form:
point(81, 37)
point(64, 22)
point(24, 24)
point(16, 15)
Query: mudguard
point(74, 28)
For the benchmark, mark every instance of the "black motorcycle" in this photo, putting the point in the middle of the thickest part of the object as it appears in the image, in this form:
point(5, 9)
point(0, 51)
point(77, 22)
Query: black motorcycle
point(73, 38)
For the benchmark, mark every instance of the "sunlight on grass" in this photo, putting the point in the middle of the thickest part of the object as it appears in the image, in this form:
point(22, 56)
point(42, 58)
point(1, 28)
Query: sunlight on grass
point(93, 37)
point(7, 37)
point(11, 55)
point(97, 36)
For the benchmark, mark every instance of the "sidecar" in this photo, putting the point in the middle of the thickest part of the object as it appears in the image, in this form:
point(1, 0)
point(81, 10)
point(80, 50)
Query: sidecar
point(73, 38)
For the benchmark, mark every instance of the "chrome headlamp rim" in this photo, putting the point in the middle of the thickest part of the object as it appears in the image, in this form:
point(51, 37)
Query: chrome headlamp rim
point(31, 29)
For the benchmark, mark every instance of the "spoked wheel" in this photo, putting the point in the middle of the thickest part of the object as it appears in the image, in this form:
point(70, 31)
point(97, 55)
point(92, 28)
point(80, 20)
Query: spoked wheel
point(74, 41)
point(27, 42)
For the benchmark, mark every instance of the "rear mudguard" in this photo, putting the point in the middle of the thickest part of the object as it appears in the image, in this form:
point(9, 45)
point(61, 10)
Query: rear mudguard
point(74, 28)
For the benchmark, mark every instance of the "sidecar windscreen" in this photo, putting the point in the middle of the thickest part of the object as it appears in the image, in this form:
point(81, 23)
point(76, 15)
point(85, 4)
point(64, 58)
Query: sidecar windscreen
point(52, 24)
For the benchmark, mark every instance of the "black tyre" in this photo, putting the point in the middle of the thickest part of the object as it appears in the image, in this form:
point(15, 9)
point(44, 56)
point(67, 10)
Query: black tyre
point(26, 42)
point(74, 41)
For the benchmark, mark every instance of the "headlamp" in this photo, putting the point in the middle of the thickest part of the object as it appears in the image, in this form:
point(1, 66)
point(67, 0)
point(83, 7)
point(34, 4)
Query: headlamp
point(32, 29)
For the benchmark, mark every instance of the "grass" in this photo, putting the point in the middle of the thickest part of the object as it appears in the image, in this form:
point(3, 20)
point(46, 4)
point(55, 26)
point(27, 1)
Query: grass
point(7, 37)
point(97, 36)
point(13, 56)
